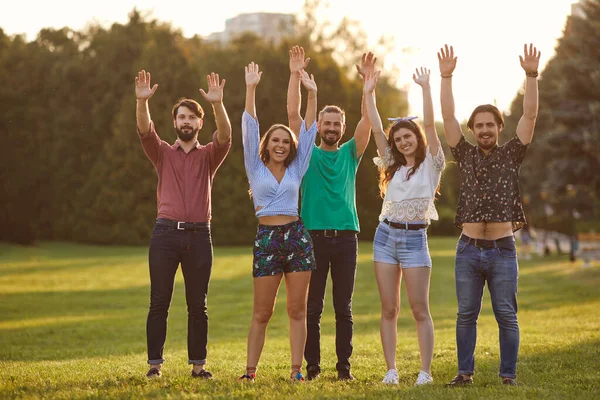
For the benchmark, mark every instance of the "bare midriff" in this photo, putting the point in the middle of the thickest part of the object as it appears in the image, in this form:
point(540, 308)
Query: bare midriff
point(277, 219)
point(487, 230)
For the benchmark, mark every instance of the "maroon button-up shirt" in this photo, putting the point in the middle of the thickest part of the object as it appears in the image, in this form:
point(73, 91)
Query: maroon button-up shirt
point(184, 180)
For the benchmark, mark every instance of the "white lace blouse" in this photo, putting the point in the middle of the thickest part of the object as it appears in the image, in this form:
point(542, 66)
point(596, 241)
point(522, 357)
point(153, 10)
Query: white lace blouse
point(412, 199)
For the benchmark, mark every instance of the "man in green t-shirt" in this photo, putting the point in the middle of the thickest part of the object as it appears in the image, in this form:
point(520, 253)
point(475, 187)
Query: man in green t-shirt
point(328, 209)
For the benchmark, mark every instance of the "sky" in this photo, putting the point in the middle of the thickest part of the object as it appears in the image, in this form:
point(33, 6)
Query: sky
point(487, 36)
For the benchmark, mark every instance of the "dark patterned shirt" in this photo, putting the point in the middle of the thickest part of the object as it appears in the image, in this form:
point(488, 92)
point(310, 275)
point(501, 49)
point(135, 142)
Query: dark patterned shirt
point(489, 185)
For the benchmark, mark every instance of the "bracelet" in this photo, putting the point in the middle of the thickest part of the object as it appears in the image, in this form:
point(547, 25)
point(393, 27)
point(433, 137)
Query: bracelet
point(446, 76)
point(532, 74)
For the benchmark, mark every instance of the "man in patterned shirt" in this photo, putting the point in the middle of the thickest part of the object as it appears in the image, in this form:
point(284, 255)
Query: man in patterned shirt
point(489, 211)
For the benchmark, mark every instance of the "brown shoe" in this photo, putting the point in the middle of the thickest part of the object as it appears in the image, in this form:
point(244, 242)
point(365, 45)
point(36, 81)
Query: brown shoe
point(460, 380)
point(345, 375)
point(153, 373)
point(509, 382)
point(202, 374)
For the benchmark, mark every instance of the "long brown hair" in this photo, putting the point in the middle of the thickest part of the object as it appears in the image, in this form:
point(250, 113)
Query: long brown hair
point(264, 153)
point(386, 174)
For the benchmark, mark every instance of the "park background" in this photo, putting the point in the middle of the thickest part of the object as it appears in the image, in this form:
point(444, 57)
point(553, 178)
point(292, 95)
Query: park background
point(73, 168)
point(73, 176)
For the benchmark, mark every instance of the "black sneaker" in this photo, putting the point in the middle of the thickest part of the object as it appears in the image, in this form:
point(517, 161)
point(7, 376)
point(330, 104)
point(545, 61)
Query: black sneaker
point(345, 375)
point(312, 372)
point(153, 373)
point(203, 374)
point(460, 380)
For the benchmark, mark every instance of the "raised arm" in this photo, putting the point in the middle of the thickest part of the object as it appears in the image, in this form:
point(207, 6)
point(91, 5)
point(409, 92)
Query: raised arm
point(215, 97)
point(250, 128)
point(451, 126)
point(143, 92)
point(362, 134)
point(252, 78)
point(308, 130)
point(370, 83)
point(421, 78)
point(530, 62)
point(311, 103)
point(297, 63)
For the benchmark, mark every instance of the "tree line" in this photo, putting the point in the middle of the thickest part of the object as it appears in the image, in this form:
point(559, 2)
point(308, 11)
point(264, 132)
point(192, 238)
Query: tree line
point(72, 165)
point(73, 168)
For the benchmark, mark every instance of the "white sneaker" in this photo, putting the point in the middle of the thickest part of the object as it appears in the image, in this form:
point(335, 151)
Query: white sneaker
point(391, 377)
point(424, 379)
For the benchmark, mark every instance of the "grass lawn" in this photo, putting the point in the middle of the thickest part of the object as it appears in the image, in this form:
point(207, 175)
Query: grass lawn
point(72, 325)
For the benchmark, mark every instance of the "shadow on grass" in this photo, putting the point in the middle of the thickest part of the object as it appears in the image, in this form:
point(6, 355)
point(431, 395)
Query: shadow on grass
point(67, 325)
point(83, 324)
point(539, 281)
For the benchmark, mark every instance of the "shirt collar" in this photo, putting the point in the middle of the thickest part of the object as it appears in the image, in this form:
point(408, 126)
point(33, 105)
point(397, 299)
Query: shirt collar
point(492, 150)
point(177, 145)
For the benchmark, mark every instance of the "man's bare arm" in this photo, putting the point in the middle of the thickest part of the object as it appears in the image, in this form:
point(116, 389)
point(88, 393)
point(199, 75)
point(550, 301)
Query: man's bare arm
point(452, 128)
point(143, 92)
point(530, 63)
point(215, 97)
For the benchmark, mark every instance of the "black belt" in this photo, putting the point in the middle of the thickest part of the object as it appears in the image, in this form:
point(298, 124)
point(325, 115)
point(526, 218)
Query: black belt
point(332, 232)
point(508, 240)
point(405, 225)
point(182, 226)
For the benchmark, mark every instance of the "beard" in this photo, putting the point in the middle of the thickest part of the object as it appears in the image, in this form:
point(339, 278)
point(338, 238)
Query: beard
point(486, 146)
point(330, 142)
point(188, 135)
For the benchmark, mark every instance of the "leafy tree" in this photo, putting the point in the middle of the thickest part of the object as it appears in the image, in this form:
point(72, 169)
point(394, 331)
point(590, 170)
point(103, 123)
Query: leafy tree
point(566, 147)
point(72, 165)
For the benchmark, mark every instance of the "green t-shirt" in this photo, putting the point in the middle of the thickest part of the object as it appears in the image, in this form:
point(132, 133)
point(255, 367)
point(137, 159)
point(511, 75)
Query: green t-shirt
point(329, 189)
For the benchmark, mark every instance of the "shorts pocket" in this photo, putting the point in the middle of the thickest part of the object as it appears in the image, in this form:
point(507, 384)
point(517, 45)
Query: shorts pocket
point(382, 235)
point(416, 240)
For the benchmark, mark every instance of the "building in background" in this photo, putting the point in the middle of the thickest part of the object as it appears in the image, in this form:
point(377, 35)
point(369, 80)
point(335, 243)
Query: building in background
point(269, 26)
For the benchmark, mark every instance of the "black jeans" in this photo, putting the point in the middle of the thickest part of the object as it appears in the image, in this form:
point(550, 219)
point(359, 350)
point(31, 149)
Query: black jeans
point(339, 254)
point(168, 248)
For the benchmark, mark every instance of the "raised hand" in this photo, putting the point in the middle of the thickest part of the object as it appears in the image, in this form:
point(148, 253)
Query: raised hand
point(142, 86)
point(297, 61)
point(531, 59)
point(307, 81)
point(447, 60)
point(421, 77)
point(370, 81)
point(367, 64)
point(215, 89)
point(252, 74)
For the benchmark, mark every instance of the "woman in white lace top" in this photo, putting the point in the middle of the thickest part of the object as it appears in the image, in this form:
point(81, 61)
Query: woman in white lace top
point(410, 164)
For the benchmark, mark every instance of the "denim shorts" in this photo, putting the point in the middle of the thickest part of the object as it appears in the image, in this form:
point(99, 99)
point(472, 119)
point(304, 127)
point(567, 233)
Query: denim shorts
point(401, 246)
point(282, 248)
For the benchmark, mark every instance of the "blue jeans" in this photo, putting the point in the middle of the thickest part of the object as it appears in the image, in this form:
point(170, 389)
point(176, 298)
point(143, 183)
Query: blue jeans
point(339, 254)
point(168, 248)
point(473, 267)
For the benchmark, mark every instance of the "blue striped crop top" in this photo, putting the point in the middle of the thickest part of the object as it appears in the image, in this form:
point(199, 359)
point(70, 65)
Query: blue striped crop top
point(275, 198)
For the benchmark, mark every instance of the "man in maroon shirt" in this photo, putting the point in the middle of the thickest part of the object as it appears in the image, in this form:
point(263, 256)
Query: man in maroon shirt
point(182, 229)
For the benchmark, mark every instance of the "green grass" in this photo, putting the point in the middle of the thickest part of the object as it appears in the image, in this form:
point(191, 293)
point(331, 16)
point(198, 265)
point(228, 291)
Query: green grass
point(72, 325)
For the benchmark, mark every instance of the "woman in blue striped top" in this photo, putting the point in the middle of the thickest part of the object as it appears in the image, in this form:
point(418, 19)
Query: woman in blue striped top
point(275, 166)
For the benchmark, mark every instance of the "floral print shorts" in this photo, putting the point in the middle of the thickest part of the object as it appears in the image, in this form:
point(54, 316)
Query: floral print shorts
point(282, 248)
